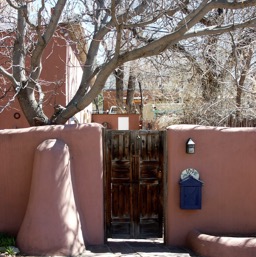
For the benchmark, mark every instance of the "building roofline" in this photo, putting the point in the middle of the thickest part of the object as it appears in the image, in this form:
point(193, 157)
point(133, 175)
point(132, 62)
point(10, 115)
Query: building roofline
point(77, 35)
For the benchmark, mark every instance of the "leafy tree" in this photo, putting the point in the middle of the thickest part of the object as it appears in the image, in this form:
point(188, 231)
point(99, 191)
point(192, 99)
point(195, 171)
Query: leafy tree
point(118, 32)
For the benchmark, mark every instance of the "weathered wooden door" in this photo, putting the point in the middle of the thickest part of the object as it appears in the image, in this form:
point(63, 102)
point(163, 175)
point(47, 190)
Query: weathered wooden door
point(134, 183)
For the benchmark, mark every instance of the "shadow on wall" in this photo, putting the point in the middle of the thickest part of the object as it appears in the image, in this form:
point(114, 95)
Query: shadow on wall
point(57, 193)
point(51, 225)
point(225, 160)
point(216, 246)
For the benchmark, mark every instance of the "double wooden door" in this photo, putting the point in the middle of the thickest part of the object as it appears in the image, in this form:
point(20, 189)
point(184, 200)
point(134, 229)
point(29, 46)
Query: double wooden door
point(134, 171)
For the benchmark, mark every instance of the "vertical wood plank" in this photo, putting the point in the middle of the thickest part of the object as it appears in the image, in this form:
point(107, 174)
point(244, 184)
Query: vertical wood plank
point(134, 194)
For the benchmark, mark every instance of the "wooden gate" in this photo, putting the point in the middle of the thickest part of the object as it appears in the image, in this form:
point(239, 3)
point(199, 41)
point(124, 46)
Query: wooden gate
point(134, 171)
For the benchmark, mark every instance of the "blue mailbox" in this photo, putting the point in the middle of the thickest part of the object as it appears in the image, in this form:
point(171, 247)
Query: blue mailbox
point(191, 193)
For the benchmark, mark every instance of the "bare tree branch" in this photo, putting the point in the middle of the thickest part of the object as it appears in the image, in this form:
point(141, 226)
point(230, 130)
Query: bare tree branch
point(8, 75)
point(215, 30)
point(129, 30)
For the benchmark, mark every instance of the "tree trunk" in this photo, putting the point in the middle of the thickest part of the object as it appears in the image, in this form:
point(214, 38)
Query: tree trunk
point(239, 87)
point(210, 78)
point(33, 112)
point(130, 94)
point(141, 101)
point(119, 75)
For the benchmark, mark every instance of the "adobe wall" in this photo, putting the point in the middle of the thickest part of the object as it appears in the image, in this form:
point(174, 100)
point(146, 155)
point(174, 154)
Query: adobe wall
point(17, 148)
point(53, 79)
point(226, 161)
point(112, 120)
point(13, 118)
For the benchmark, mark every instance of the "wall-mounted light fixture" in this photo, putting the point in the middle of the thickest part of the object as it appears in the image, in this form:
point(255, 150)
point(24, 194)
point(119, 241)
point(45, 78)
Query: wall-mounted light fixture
point(190, 146)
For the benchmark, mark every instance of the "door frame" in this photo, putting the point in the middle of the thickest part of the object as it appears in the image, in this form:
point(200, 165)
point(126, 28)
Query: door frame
point(105, 182)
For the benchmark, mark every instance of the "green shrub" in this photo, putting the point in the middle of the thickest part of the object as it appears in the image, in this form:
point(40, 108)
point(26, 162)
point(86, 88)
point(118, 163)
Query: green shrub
point(6, 240)
point(9, 250)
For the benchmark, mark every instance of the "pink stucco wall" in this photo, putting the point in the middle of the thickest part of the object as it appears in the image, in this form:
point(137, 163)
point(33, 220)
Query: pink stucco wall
point(224, 157)
point(60, 78)
point(226, 161)
point(74, 74)
point(17, 148)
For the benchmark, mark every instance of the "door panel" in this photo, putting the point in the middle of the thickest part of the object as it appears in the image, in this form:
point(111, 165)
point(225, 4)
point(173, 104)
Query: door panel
point(134, 167)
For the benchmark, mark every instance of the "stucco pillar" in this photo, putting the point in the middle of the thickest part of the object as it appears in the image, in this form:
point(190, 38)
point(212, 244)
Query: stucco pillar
point(51, 225)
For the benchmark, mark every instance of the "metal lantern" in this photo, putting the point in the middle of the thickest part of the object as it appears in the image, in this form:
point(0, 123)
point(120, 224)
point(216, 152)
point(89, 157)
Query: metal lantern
point(190, 146)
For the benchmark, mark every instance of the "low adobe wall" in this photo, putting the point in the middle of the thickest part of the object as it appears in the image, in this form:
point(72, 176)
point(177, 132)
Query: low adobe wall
point(17, 149)
point(216, 246)
point(226, 161)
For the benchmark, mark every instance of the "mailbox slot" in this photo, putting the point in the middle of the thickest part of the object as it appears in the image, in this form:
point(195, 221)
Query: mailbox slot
point(191, 193)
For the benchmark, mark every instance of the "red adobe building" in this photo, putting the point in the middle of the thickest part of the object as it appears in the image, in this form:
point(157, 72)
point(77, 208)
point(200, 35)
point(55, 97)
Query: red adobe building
point(60, 77)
